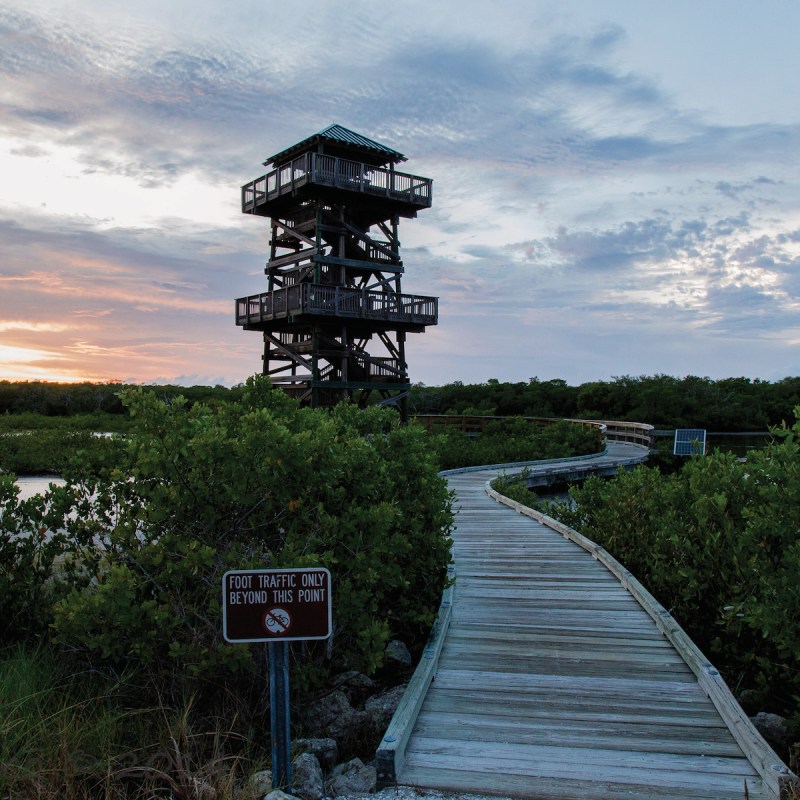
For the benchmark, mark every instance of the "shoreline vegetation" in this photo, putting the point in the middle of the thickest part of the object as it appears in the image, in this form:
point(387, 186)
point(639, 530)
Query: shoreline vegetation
point(730, 404)
point(113, 677)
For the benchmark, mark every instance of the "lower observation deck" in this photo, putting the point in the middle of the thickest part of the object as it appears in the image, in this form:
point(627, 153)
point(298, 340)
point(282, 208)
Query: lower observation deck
point(307, 302)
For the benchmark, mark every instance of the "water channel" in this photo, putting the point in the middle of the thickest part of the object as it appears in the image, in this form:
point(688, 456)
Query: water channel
point(36, 484)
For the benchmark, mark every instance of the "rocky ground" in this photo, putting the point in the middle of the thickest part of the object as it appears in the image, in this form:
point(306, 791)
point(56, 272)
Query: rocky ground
point(400, 793)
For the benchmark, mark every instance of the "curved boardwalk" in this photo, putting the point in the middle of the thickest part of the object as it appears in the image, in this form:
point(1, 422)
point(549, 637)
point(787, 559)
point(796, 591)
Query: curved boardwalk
point(554, 682)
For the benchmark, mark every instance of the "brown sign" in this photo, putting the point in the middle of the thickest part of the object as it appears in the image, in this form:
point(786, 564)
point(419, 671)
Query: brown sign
point(265, 605)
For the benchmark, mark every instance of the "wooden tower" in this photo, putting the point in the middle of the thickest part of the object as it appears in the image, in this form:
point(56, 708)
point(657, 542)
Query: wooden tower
point(334, 318)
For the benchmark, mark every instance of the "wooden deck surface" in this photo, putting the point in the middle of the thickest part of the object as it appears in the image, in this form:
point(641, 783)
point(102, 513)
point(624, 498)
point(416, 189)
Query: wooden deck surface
point(555, 683)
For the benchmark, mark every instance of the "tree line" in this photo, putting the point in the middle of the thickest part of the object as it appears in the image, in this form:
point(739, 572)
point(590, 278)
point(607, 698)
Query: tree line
point(729, 404)
point(71, 399)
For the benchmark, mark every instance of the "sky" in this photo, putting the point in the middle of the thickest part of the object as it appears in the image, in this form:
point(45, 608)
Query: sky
point(615, 184)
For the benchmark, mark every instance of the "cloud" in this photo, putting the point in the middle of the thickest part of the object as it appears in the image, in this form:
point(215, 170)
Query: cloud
point(23, 325)
point(734, 191)
point(571, 187)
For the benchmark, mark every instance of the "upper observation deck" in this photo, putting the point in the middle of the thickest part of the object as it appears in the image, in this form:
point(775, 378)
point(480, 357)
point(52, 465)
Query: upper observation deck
point(314, 175)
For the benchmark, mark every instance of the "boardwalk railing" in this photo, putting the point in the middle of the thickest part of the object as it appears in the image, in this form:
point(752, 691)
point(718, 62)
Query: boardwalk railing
point(779, 781)
point(645, 704)
point(633, 432)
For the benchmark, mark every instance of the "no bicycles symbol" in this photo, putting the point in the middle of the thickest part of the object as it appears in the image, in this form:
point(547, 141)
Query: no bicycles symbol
point(277, 621)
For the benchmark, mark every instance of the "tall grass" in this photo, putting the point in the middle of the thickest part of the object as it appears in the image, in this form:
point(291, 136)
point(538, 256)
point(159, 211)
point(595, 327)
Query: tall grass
point(60, 735)
point(77, 737)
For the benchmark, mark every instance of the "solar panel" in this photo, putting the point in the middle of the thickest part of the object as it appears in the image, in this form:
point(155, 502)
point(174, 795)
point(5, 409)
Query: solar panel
point(690, 441)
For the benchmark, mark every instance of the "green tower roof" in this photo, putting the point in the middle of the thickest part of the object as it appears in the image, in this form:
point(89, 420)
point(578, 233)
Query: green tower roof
point(343, 141)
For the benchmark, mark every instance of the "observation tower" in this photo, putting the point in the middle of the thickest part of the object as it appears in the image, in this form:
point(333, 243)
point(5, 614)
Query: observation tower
point(334, 317)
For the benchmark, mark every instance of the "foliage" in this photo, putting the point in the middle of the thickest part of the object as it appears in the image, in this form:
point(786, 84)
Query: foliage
point(34, 452)
point(514, 487)
point(731, 404)
point(97, 421)
point(717, 543)
point(512, 440)
point(132, 575)
point(69, 399)
point(31, 554)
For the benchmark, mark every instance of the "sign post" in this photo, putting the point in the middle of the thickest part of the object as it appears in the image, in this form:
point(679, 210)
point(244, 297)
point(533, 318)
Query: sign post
point(277, 606)
point(279, 715)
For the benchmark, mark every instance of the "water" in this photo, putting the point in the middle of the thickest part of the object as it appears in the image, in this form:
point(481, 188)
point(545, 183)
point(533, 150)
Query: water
point(36, 484)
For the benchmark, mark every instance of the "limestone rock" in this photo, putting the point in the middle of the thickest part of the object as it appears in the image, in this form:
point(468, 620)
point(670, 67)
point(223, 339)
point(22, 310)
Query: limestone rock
point(325, 750)
point(353, 778)
point(203, 790)
point(750, 700)
point(381, 707)
point(279, 794)
point(334, 717)
point(355, 685)
point(307, 779)
point(259, 784)
point(773, 728)
point(397, 655)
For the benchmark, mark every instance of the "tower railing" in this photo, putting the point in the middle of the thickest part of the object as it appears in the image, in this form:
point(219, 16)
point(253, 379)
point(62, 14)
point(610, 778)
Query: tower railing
point(341, 173)
point(336, 301)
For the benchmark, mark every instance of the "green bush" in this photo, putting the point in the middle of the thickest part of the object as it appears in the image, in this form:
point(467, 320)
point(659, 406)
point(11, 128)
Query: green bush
point(513, 440)
point(97, 421)
point(134, 575)
point(43, 451)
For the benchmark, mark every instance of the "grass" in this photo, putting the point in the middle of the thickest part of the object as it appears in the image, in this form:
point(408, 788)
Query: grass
point(78, 737)
point(60, 736)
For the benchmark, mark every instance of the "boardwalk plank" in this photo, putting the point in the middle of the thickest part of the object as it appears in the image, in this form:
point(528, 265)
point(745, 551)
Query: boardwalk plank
point(625, 734)
point(568, 787)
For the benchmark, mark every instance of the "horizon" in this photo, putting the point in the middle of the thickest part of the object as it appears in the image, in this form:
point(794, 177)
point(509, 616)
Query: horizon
point(418, 384)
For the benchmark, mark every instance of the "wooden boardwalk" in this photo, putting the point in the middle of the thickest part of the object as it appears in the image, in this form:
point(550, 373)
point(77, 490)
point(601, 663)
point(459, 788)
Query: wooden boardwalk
point(554, 682)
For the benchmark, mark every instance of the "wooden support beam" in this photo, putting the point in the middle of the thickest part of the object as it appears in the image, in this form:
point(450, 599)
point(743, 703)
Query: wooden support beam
point(359, 235)
point(391, 236)
point(287, 351)
point(292, 258)
point(294, 232)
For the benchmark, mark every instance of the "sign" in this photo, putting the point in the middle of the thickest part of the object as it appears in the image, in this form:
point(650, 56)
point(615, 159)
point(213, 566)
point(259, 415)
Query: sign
point(268, 605)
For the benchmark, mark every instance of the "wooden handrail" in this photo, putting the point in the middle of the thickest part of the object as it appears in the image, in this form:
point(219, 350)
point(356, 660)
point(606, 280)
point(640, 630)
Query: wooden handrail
point(616, 431)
